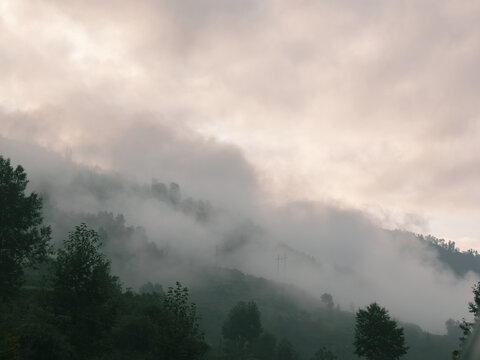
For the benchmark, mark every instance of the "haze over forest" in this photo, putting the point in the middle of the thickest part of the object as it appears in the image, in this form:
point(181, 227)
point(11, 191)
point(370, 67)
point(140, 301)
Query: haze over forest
point(304, 142)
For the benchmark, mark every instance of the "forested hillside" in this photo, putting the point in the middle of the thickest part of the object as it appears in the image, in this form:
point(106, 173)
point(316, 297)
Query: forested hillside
point(129, 316)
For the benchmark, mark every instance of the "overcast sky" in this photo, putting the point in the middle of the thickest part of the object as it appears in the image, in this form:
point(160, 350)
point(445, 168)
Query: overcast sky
point(365, 104)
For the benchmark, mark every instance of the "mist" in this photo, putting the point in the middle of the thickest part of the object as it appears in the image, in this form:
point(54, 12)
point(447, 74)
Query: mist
point(298, 141)
point(166, 232)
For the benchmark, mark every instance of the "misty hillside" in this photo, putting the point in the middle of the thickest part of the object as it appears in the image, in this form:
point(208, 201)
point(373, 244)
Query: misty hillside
point(283, 175)
point(461, 262)
point(282, 258)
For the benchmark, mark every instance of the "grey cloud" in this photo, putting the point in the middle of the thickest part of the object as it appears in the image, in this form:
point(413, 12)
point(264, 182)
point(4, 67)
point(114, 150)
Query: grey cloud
point(372, 104)
point(327, 248)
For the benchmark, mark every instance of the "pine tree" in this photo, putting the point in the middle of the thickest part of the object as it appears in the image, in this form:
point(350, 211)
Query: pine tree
point(377, 336)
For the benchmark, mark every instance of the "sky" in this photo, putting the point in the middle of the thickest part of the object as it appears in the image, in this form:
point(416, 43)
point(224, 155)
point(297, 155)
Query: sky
point(369, 105)
point(320, 122)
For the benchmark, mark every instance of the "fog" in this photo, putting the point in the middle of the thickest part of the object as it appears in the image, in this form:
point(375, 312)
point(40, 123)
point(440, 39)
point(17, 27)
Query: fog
point(318, 247)
point(283, 139)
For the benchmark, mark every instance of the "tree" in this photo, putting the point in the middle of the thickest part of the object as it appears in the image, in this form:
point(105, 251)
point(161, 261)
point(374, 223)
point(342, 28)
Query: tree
point(327, 300)
point(243, 322)
point(377, 336)
point(324, 354)
point(159, 326)
point(23, 239)
point(182, 338)
point(84, 292)
point(241, 328)
point(285, 351)
point(466, 326)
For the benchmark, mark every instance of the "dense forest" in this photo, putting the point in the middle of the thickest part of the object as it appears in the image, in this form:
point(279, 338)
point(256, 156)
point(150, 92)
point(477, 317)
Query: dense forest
point(60, 297)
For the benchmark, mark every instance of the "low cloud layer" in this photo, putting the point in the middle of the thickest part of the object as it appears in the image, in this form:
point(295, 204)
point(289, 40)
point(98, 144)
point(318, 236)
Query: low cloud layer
point(373, 105)
point(283, 115)
point(318, 247)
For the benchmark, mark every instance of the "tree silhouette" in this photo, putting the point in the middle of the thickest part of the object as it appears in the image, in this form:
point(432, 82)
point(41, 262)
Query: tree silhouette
point(377, 336)
point(23, 239)
point(84, 292)
point(241, 328)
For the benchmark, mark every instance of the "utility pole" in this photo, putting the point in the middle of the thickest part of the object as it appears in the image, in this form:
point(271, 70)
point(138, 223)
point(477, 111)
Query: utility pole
point(282, 265)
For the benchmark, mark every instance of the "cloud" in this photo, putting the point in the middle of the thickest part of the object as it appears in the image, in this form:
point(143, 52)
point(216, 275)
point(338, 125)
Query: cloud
point(372, 106)
point(322, 247)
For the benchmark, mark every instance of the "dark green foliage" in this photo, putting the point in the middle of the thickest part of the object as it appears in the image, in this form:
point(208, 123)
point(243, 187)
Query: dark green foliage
point(287, 312)
point(377, 336)
point(182, 339)
point(23, 239)
point(84, 292)
point(41, 336)
point(285, 351)
point(243, 323)
point(9, 347)
point(324, 354)
point(265, 346)
point(156, 326)
point(241, 329)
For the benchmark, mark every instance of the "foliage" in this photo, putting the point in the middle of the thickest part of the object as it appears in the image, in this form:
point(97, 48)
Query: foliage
point(84, 291)
point(285, 351)
point(241, 328)
point(23, 239)
point(265, 346)
point(461, 262)
point(377, 336)
point(466, 326)
point(327, 300)
point(183, 338)
point(159, 326)
point(324, 354)
point(155, 325)
point(243, 322)
point(9, 347)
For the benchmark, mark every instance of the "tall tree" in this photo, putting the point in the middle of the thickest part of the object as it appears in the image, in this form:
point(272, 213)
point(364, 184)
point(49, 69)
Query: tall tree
point(85, 294)
point(23, 238)
point(377, 336)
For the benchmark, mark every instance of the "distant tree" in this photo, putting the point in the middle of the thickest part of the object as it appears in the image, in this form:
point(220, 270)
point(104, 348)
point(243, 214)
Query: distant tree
point(377, 336)
point(84, 292)
point(285, 351)
point(327, 300)
point(23, 239)
point(241, 328)
point(466, 326)
point(243, 322)
point(324, 354)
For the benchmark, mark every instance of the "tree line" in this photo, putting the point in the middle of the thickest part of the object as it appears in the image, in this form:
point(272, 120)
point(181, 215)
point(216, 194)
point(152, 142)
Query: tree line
point(82, 312)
